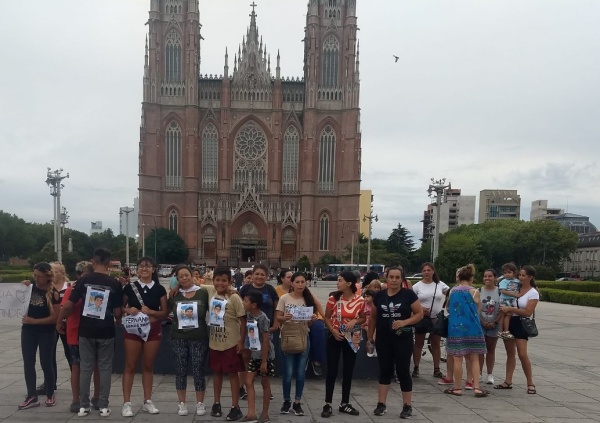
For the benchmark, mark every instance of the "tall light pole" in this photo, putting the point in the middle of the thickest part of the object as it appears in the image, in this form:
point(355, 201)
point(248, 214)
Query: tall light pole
point(438, 187)
point(54, 180)
point(370, 217)
point(126, 210)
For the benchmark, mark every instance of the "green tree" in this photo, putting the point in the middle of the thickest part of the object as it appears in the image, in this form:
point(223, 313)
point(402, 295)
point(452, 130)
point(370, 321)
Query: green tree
point(303, 264)
point(457, 250)
point(400, 242)
point(170, 247)
point(420, 256)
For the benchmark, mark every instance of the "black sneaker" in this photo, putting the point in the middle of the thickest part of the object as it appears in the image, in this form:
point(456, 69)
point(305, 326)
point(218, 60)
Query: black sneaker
point(348, 409)
point(380, 409)
point(285, 408)
point(94, 403)
point(29, 402)
point(406, 412)
point(415, 372)
point(327, 411)
point(243, 394)
point(234, 414)
point(215, 411)
point(298, 409)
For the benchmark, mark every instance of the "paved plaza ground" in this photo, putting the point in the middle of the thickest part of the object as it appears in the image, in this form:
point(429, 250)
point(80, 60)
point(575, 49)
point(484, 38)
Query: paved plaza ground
point(566, 366)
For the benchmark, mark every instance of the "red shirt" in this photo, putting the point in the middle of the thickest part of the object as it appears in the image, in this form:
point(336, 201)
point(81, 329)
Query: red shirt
point(348, 310)
point(73, 319)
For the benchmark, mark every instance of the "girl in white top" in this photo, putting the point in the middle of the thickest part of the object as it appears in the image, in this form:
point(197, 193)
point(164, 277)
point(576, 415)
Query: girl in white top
point(527, 302)
point(426, 289)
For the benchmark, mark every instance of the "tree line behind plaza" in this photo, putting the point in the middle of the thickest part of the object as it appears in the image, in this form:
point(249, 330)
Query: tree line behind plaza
point(545, 244)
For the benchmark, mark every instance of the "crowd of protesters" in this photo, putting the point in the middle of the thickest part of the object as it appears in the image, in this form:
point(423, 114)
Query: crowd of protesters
point(228, 320)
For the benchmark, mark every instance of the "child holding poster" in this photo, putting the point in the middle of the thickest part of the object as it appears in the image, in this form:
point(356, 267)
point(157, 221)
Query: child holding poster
point(262, 359)
point(289, 311)
point(227, 326)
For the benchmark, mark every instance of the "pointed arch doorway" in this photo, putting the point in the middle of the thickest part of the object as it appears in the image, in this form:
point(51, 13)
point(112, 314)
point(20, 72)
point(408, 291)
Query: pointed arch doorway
point(249, 242)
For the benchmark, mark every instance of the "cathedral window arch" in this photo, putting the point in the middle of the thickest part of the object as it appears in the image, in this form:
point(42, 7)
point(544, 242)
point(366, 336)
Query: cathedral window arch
point(173, 52)
point(174, 221)
point(210, 158)
point(173, 156)
point(324, 232)
point(331, 59)
point(250, 158)
point(291, 147)
point(327, 159)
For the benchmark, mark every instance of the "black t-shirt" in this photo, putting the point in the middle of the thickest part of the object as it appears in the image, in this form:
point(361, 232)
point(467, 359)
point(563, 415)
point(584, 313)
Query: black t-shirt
point(239, 279)
point(38, 308)
point(98, 328)
point(390, 308)
point(270, 297)
point(151, 297)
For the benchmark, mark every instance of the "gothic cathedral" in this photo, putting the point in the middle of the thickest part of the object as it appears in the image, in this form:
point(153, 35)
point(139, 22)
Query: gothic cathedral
point(252, 166)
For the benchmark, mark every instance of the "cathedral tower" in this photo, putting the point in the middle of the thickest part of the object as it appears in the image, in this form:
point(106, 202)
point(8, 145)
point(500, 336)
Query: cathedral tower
point(251, 166)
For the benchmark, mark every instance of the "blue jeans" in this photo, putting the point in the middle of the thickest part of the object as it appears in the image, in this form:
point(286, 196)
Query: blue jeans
point(317, 341)
point(294, 364)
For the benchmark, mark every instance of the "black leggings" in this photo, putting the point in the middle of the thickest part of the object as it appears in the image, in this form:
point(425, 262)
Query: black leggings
point(334, 350)
point(67, 350)
point(32, 340)
point(394, 350)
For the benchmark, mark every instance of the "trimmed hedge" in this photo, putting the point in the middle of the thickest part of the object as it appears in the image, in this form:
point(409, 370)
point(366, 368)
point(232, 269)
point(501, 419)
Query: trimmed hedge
point(570, 286)
point(563, 296)
point(14, 277)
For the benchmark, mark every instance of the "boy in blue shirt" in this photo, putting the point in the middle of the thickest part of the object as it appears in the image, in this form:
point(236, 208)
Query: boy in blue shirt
point(509, 291)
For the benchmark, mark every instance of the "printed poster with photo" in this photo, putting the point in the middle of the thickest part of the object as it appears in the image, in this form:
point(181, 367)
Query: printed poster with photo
point(187, 315)
point(354, 337)
point(138, 324)
point(253, 335)
point(217, 312)
point(96, 302)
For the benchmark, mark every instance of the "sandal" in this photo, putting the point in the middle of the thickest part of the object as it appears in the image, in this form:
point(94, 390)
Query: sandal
point(438, 373)
point(480, 393)
point(531, 389)
point(504, 385)
point(453, 391)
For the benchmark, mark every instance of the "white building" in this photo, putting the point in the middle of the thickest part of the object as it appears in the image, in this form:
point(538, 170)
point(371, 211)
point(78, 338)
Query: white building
point(496, 204)
point(96, 227)
point(541, 211)
point(455, 210)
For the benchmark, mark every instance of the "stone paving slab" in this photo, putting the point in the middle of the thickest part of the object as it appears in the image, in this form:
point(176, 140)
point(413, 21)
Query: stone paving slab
point(565, 358)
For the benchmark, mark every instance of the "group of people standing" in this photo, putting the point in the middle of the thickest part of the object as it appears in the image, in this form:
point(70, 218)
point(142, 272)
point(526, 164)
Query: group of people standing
point(232, 330)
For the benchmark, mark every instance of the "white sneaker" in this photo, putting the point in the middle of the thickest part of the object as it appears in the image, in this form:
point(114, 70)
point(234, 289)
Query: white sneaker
point(150, 408)
point(183, 410)
point(200, 409)
point(126, 411)
point(490, 379)
point(83, 412)
point(104, 412)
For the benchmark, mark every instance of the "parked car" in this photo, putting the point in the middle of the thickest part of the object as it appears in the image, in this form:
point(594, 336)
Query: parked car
point(566, 279)
point(330, 277)
point(416, 276)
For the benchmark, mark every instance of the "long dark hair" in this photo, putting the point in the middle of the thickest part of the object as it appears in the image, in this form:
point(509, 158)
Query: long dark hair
point(530, 271)
point(281, 275)
point(154, 266)
point(435, 276)
point(369, 277)
point(306, 294)
point(348, 276)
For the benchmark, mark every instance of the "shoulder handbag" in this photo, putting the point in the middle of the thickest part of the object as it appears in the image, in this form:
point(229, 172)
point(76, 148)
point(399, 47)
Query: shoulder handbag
point(425, 325)
point(293, 338)
point(528, 324)
point(440, 327)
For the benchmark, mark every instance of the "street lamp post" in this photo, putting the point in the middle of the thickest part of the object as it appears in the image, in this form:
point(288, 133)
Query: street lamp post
point(54, 181)
point(126, 210)
point(370, 218)
point(438, 187)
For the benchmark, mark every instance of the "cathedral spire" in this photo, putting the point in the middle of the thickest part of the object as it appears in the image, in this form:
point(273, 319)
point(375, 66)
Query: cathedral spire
point(226, 72)
point(146, 64)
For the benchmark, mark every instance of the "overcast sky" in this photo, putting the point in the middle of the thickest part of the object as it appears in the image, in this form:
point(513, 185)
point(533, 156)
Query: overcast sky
point(488, 94)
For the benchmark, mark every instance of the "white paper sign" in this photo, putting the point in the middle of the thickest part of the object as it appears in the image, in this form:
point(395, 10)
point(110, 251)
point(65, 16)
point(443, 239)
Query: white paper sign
point(253, 335)
point(354, 337)
point(137, 325)
point(96, 302)
point(302, 313)
point(217, 312)
point(14, 300)
point(187, 315)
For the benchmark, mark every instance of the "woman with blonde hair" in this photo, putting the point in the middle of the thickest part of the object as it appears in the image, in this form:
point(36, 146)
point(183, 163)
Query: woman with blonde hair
point(38, 331)
point(465, 334)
